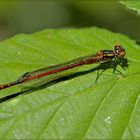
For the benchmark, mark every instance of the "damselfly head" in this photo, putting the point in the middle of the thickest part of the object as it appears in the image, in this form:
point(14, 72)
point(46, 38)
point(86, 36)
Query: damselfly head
point(119, 50)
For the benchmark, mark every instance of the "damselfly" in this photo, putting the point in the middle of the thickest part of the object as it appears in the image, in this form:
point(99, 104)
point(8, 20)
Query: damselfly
point(101, 56)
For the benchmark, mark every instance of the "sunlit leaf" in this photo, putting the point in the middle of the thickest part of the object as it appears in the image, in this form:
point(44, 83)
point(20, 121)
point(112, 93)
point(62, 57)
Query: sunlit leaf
point(76, 108)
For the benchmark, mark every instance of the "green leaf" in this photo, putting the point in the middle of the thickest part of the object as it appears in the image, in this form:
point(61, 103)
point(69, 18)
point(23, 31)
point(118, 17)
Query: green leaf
point(75, 108)
point(133, 4)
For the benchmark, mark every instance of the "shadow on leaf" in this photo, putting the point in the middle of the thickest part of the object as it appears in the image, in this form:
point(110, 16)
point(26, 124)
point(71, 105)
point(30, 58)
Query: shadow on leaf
point(103, 67)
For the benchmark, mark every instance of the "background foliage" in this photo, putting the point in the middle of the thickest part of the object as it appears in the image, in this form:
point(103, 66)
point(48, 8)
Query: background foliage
point(30, 16)
point(134, 5)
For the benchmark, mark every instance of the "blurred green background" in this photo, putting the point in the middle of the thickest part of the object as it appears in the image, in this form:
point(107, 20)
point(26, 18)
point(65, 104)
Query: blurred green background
point(31, 16)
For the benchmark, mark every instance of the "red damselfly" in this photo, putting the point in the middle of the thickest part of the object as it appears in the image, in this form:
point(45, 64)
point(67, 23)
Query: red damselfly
point(101, 56)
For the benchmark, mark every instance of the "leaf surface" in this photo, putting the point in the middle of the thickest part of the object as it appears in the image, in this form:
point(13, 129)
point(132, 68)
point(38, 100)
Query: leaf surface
point(75, 108)
point(133, 5)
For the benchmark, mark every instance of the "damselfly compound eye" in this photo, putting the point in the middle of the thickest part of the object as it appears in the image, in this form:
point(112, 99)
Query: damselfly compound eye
point(120, 51)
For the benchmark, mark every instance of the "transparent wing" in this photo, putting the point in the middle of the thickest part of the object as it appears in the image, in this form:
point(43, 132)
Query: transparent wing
point(52, 78)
